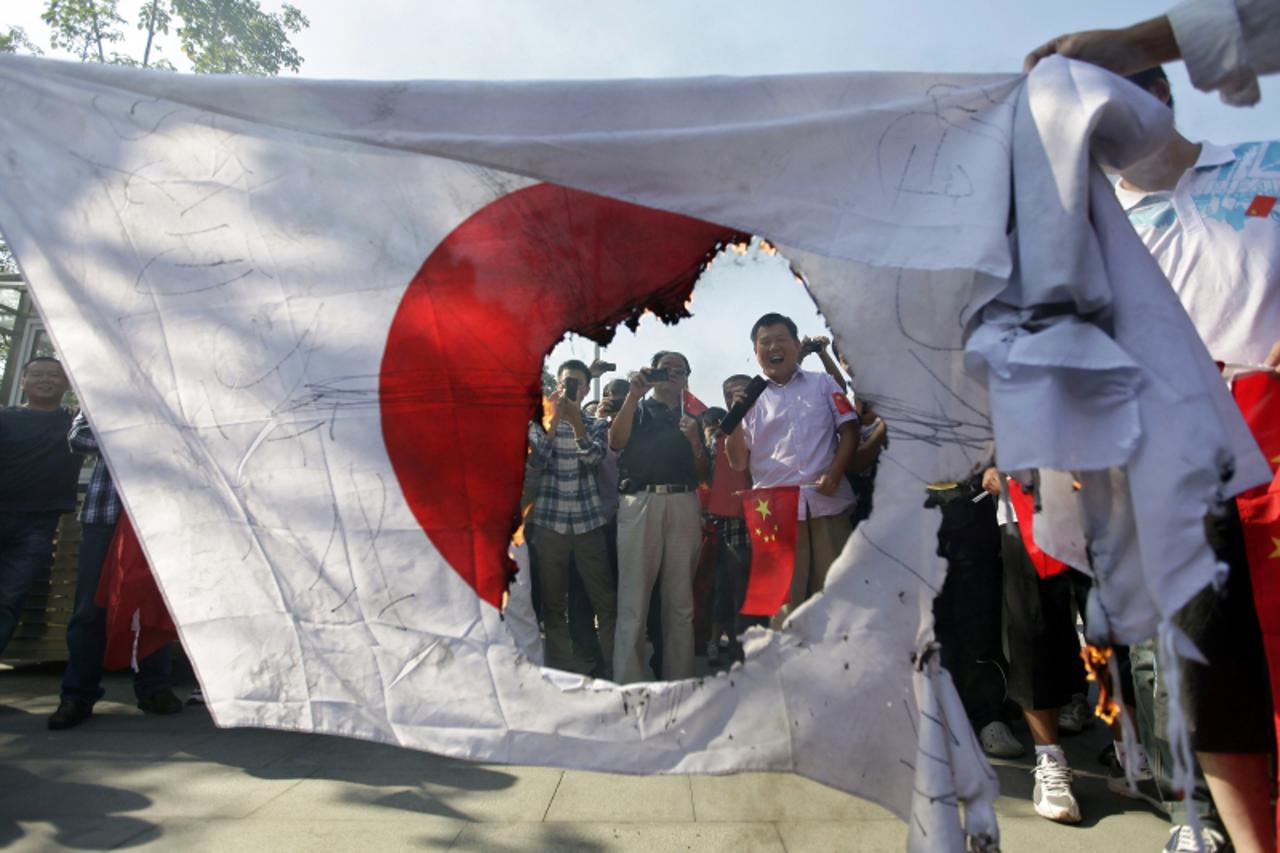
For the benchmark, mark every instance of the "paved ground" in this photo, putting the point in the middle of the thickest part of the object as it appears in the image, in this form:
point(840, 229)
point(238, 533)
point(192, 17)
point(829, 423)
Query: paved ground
point(178, 783)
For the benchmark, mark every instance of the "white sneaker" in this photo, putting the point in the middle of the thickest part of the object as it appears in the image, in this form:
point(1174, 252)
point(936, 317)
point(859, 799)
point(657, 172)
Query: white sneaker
point(1183, 840)
point(1144, 781)
point(1052, 792)
point(1075, 716)
point(998, 741)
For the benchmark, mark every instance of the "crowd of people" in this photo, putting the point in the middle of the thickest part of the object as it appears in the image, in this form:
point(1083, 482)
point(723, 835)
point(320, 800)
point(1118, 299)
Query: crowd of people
point(632, 493)
point(1207, 215)
point(1009, 630)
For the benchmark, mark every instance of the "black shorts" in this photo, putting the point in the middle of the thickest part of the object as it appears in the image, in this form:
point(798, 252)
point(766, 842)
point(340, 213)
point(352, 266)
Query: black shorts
point(1041, 642)
point(967, 612)
point(1227, 703)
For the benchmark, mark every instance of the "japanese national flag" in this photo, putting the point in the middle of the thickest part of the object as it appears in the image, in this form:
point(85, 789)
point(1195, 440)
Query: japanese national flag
point(306, 320)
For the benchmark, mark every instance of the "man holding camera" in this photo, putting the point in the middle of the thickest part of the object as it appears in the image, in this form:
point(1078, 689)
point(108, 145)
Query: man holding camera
point(661, 461)
point(802, 431)
point(566, 522)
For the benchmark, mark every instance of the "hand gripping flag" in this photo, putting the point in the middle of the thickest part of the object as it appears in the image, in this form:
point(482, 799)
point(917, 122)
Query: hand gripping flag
point(771, 522)
point(1258, 395)
point(307, 320)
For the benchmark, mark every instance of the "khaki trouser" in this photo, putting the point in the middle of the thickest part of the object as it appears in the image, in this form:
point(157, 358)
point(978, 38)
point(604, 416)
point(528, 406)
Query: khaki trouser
point(659, 537)
point(591, 560)
point(819, 541)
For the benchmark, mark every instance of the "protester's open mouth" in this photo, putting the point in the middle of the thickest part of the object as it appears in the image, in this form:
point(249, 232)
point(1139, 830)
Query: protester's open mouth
point(776, 359)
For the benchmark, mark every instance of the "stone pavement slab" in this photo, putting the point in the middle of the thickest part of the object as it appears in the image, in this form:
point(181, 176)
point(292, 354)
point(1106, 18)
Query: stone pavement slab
point(604, 838)
point(585, 796)
point(469, 793)
point(777, 797)
point(129, 781)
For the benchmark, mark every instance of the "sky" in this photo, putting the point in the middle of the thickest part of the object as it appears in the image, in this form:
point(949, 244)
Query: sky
point(550, 39)
point(727, 300)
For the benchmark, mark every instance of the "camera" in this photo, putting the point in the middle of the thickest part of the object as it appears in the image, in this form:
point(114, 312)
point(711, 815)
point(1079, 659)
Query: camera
point(656, 374)
point(571, 387)
point(600, 368)
point(811, 347)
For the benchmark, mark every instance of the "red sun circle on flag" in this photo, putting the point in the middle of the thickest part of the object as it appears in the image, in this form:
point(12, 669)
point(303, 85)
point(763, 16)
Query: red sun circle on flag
point(459, 378)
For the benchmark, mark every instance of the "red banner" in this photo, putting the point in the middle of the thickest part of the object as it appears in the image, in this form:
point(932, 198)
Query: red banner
point(771, 520)
point(693, 407)
point(1024, 506)
point(1258, 396)
point(126, 588)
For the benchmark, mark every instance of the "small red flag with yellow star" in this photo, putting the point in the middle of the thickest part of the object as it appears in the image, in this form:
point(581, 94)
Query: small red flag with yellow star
point(1258, 396)
point(693, 407)
point(1261, 206)
point(771, 520)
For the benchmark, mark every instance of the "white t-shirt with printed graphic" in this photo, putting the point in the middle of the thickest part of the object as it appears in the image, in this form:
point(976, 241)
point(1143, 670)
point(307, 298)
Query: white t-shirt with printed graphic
point(1217, 238)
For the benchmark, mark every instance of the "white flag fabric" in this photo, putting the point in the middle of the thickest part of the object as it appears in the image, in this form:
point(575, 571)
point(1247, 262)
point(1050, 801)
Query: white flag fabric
point(306, 320)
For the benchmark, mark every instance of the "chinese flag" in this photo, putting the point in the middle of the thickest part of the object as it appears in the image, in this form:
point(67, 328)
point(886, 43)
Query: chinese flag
point(1258, 396)
point(1024, 506)
point(138, 623)
point(1261, 206)
point(771, 521)
point(693, 407)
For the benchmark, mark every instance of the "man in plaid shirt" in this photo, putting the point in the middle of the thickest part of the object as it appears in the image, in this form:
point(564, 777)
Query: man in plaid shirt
point(567, 522)
point(87, 631)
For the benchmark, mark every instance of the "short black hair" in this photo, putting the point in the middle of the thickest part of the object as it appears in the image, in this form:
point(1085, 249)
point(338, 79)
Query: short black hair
point(712, 417)
point(37, 358)
point(574, 364)
point(1146, 79)
point(737, 377)
point(617, 387)
point(658, 356)
point(773, 319)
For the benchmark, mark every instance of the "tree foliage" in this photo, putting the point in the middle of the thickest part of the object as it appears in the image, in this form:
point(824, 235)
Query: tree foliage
point(237, 37)
point(216, 36)
point(16, 40)
point(86, 28)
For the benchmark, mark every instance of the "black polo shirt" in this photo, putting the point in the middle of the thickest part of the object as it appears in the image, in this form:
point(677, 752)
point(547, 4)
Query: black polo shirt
point(657, 453)
point(38, 471)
